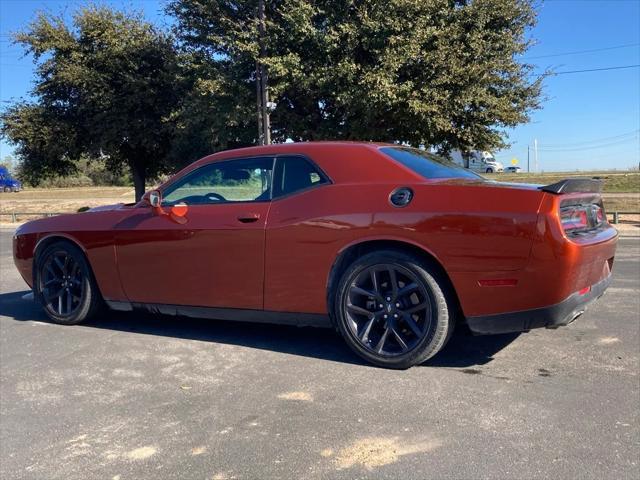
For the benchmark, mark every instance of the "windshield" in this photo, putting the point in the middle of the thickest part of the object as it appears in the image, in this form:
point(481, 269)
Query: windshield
point(427, 164)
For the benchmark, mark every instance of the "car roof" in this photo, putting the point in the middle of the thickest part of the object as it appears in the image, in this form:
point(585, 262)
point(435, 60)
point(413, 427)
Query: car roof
point(342, 161)
point(291, 147)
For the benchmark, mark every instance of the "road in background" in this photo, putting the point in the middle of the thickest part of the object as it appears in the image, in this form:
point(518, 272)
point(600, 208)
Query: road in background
point(135, 396)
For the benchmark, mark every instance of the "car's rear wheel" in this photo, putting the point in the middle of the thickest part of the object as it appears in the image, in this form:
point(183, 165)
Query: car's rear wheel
point(392, 310)
point(64, 284)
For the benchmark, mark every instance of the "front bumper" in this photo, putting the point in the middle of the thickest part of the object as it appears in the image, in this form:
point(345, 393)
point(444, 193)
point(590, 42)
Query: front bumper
point(553, 316)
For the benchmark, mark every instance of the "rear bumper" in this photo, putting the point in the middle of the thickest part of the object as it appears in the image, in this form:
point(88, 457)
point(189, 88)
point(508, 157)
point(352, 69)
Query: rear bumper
point(552, 316)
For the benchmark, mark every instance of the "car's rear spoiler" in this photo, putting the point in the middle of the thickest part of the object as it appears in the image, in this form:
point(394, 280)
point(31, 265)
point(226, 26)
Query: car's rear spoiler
point(575, 185)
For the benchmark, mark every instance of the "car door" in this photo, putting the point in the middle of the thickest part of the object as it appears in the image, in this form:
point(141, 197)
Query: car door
point(213, 255)
point(296, 248)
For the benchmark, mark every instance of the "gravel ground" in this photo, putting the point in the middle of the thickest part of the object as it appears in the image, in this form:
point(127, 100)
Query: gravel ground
point(133, 396)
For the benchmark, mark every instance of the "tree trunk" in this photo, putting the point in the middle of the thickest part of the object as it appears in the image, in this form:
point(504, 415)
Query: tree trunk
point(138, 172)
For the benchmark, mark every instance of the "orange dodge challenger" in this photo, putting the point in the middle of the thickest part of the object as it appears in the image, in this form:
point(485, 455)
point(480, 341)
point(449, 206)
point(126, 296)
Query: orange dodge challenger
point(390, 245)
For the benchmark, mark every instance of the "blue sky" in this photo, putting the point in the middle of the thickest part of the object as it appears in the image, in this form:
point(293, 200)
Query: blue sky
point(590, 120)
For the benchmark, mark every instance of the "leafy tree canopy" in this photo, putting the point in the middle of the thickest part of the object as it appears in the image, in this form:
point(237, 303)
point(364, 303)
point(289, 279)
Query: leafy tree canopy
point(105, 88)
point(443, 73)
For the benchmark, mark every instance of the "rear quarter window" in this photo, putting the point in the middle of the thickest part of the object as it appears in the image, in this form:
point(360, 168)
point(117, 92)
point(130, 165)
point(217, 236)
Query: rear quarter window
point(427, 164)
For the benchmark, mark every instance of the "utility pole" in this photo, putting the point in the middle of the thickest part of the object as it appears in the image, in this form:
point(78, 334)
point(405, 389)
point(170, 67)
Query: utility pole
point(259, 103)
point(262, 91)
point(535, 153)
point(528, 155)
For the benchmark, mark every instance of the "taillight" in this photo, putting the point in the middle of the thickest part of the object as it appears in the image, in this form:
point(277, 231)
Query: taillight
point(599, 214)
point(574, 218)
point(578, 217)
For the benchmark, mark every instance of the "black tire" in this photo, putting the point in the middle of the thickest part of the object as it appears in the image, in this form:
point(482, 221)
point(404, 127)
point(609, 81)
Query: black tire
point(362, 311)
point(6, 189)
point(489, 170)
point(64, 284)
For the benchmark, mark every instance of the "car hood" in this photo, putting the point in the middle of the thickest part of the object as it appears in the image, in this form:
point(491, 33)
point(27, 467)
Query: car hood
point(106, 208)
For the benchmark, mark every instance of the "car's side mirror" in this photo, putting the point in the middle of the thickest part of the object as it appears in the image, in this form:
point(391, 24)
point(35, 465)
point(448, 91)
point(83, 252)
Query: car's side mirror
point(155, 198)
point(176, 212)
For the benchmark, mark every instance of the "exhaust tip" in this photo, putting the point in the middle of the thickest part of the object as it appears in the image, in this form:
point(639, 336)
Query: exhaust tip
point(578, 314)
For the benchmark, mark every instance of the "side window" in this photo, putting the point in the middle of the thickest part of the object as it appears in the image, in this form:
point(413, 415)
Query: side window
point(294, 174)
point(246, 180)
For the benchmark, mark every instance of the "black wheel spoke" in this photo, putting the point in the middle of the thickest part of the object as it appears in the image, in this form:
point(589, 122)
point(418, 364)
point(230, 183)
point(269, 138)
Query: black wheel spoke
point(367, 329)
point(60, 302)
point(399, 339)
point(59, 264)
point(65, 267)
point(359, 310)
point(412, 325)
point(50, 296)
point(69, 301)
point(374, 280)
point(407, 289)
point(363, 292)
point(383, 339)
point(417, 308)
point(393, 281)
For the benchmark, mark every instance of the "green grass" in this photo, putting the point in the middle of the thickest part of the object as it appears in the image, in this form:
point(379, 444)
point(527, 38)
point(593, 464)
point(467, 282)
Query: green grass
point(621, 204)
point(614, 182)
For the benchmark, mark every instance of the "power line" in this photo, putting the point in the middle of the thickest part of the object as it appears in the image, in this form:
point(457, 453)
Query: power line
point(620, 136)
point(597, 69)
point(592, 147)
point(576, 52)
point(566, 72)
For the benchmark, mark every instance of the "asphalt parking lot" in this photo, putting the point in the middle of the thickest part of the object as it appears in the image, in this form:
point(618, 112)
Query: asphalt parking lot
point(135, 396)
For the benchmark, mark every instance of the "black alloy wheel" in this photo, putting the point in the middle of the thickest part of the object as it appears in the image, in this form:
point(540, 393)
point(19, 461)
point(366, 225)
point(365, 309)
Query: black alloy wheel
point(388, 309)
point(65, 285)
point(391, 308)
point(61, 284)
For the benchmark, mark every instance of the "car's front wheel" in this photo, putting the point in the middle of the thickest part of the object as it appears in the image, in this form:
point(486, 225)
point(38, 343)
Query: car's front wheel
point(489, 170)
point(391, 308)
point(64, 284)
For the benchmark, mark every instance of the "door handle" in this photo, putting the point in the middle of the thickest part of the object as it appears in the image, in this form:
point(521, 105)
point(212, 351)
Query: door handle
point(249, 217)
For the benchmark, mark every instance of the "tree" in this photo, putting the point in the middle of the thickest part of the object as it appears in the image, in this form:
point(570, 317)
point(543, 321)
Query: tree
point(9, 163)
point(444, 73)
point(106, 88)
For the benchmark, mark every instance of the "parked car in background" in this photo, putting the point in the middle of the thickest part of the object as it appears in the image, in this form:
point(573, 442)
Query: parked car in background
point(477, 161)
point(7, 183)
point(390, 245)
point(513, 170)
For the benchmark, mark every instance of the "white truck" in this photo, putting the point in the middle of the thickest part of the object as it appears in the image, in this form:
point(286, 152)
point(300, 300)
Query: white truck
point(477, 161)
